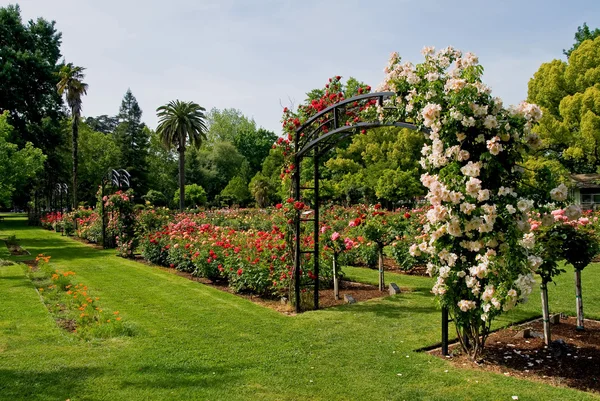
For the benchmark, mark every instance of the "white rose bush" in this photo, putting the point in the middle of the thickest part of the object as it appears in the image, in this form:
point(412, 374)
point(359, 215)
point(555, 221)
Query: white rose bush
point(477, 232)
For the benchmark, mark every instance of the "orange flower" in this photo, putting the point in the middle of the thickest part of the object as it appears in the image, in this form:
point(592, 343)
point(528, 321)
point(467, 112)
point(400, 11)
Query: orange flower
point(116, 312)
point(118, 318)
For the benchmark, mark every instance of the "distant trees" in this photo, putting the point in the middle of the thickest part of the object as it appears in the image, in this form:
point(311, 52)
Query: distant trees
point(16, 166)
point(29, 63)
point(72, 86)
point(133, 140)
point(180, 122)
point(569, 94)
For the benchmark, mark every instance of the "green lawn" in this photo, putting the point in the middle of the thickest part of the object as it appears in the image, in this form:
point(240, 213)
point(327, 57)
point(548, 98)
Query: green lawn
point(194, 342)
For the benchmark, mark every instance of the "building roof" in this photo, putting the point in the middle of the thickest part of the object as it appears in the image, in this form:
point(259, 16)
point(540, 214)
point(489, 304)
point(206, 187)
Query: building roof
point(586, 180)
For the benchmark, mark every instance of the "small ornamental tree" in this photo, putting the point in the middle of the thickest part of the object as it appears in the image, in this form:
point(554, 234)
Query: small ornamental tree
point(477, 219)
point(382, 228)
point(565, 235)
point(122, 222)
point(336, 240)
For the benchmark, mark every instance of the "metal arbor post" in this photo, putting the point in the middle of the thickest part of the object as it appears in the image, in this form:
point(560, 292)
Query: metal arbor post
point(118, 179)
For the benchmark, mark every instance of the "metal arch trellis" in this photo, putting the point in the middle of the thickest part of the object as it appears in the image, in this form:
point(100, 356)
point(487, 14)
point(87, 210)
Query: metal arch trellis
point(313, 139)
point(118, 179)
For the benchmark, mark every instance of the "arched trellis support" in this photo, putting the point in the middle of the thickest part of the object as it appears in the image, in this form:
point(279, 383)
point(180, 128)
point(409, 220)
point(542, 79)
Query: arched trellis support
point(117, 179)
point(313, 139)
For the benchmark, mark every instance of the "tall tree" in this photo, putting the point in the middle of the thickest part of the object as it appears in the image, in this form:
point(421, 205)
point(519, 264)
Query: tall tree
point(16, 166)
point(569, 94)
point(133, 142)
point(29, 62)
point(179, 122)
point(583, 33)
point(72, 85)
point(29, 56)
point(97, 153)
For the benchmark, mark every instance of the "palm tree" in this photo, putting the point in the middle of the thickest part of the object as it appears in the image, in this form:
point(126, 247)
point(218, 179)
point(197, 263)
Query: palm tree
point(177, 122)
point(71, 83)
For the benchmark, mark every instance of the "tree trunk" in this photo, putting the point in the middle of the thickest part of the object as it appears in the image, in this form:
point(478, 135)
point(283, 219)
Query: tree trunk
point(75, 129)
point(579, 300)
point(380, 258)
point(336, 290)
point(545, 313)
point(181, 150)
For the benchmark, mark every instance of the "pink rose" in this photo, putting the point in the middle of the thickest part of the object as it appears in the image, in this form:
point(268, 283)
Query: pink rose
point(335, 236)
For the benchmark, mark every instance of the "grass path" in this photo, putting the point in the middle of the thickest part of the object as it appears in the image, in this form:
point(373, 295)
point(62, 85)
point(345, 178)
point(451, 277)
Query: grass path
point(194, 342)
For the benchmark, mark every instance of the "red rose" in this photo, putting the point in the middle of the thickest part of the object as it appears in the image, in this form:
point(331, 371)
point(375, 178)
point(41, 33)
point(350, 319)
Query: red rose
point(407, 215)
point(239, 272)
point(278, 206)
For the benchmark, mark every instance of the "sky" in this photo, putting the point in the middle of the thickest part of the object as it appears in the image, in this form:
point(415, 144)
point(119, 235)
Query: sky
point(262, 55)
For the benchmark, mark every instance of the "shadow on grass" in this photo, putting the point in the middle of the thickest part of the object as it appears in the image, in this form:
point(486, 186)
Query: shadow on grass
point(70, 382)
point(395, 307)
point(58, 384)
point(208, 377)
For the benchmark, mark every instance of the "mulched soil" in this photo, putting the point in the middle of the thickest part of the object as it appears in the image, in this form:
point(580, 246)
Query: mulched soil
point(16, 250)
point(86, 242)
point(33, 264)
point(67, 324)
point(572, 359)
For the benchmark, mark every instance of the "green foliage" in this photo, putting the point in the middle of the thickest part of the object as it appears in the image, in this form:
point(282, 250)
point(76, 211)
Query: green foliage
point(194, 196)
point(255, 146)
point(583, 33)
point(16, 166)
point(29, 53)
point(570, 97)
point(162, 163)
point(97, 153)
point(29, 62)
point(103, 123)
point(132, 138)
point(237, 191)
point(214, 166)
point(262, 189)
point(155, 198)
point(227, 125)
point(381, 164)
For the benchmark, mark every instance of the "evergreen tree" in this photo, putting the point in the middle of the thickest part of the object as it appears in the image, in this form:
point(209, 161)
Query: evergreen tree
point(133, 142)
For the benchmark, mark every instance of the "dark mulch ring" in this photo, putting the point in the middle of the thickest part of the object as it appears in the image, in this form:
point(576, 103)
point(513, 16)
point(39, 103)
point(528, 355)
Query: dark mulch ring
point(84, 241)
point(32, 263)
point(572, 359)
point(16, 250)
point(67, 324)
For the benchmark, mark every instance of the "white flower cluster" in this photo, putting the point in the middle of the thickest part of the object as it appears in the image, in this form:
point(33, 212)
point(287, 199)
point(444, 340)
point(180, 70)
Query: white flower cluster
point(473, 205)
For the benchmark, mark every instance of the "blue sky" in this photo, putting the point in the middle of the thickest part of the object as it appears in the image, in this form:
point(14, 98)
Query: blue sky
point(258, 56)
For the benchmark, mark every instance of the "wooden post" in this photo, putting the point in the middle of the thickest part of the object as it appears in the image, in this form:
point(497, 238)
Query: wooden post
point(579, 300)
point(336, 290)
point(380, 257)
point(545, 313)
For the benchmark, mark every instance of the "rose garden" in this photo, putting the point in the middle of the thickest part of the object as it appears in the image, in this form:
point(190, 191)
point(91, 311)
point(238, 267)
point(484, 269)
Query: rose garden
point(475, 290)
